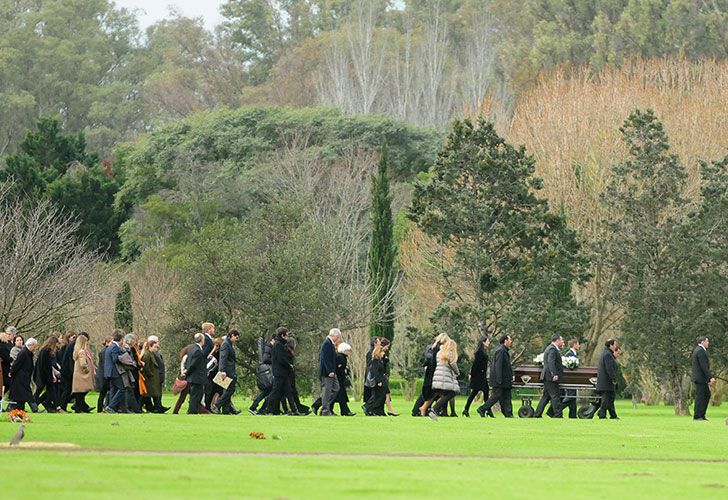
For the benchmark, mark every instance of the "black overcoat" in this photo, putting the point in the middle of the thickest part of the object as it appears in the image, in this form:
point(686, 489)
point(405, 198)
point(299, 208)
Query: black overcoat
point(21, 373)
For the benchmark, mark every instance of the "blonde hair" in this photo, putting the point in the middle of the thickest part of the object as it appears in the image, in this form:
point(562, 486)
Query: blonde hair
point(378, 352)
point(449, 351)
point(206, 327)
point(81, 343)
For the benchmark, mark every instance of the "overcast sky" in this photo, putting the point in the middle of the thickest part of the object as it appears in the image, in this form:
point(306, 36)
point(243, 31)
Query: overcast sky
point(151, 11)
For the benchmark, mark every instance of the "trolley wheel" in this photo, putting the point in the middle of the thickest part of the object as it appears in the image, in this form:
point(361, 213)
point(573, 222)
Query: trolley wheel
point(526, 411)
point(586, 411)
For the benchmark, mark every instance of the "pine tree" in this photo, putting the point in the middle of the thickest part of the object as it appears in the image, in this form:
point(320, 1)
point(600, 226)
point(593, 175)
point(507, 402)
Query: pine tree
point(382, 253)
point(123, 316)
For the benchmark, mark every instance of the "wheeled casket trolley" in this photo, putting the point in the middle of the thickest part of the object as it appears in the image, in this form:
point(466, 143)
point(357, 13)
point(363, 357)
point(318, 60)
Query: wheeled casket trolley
point(528, 386)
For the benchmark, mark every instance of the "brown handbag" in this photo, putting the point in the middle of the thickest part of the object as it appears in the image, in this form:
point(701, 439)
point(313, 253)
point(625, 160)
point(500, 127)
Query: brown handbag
point(179, 385)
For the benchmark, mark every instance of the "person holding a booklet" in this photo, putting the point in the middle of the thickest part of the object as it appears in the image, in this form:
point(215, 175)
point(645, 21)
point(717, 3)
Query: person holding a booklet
point(226, 375)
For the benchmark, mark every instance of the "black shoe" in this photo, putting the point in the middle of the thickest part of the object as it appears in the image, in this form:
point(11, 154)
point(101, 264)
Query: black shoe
point(315, 407)
point(466, 413)
point(392, 414)
point(617, 418)
point(703, 419)
point(481, 412)
point(350, 414)
point(490, 413)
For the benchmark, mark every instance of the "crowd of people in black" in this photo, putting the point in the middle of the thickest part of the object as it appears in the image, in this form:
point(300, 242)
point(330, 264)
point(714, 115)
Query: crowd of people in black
point(129, 376)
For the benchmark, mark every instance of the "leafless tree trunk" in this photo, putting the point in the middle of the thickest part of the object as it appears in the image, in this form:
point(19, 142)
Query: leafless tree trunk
point(47, 277)
point(353, 78)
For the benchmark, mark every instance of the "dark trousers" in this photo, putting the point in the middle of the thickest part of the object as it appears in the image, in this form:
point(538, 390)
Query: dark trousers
point(500, 395)
point(66, 395)
point(550, 393)
point(570, 401)
point(225, 401)
point(116, 393)
point(48, 396)
point(281, 387)
point(181, 399)
point(607, 405)
point(102, 396)
point(197, 392)
point(80, 402)
point(473, 393)
point(445, 398)
point(702, 398)
point(375, 403)
point(329, 390)
point(264, 393)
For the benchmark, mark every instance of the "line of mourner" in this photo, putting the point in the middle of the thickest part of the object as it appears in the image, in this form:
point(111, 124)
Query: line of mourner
point(129, 376)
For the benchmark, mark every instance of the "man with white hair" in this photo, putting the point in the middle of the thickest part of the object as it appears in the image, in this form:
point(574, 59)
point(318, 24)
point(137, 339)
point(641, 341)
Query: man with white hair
point(21, 374)
point(327, 371)
point(196, 373)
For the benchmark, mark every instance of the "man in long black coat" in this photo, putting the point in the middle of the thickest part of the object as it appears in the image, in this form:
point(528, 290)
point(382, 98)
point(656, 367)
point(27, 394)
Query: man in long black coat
point(607, 380)
point(570, 399)
point(21, 374)
point(282, 367)
point(228, 369)
point(501, 379)
point(551, 375)
point(196, 373)
point(5, 361)
point(702, 377)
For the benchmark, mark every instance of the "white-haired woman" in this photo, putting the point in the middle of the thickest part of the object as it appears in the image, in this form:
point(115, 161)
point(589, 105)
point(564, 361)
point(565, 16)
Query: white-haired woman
point(445, 378)
point(342, 374)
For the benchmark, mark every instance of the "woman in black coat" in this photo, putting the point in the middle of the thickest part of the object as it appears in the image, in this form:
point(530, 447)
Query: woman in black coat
point(376, 381)
point(21, 374)
point(478, 375)
point(47, 375)
point(342, 374)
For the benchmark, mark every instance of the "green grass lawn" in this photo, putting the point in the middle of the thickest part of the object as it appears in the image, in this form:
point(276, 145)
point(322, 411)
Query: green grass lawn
point(648, 453)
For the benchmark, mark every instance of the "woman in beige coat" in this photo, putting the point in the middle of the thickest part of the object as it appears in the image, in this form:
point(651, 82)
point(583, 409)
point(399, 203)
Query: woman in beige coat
point(84, 373)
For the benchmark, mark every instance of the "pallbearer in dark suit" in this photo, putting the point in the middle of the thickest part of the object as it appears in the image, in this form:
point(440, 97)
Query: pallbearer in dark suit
point(702, 377)
point(196, 373)
point(570, 399)
point(607, 380)
point(501, 380)
point(228, 369)
point(551, 375)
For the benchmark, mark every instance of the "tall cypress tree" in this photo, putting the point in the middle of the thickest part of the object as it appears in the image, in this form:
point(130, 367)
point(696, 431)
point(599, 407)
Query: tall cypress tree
point(382, 253)
point(123, 316)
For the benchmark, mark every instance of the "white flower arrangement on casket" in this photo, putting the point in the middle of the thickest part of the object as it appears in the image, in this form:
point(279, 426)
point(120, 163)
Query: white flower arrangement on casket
point(538, 359)
point(570, 362)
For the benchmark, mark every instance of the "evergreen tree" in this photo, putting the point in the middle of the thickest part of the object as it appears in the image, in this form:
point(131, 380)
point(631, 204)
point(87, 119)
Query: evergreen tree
point(123, 316)
point(382, 253)
point(54, 165)
point(507, 264)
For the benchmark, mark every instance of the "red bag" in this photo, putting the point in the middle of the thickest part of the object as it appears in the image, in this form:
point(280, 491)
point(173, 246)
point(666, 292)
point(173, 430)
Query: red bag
point(179, 386)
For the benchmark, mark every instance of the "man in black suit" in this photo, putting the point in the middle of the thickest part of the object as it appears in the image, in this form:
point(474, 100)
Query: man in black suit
point(111, 373)
point(551, 375)
point(196, 373)
point(282, 367)
point(607, 380)
point(208, 330)
point(327, 371)
point(501, 379)
point(702, 377)
point(570, 399)
point(228, 369)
